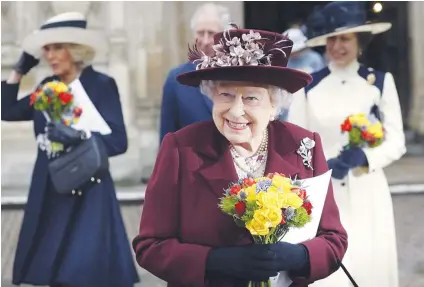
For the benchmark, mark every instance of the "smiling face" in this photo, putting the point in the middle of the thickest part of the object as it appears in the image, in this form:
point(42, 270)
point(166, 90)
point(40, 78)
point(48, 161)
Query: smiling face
point(343, 49)
point(242, 111)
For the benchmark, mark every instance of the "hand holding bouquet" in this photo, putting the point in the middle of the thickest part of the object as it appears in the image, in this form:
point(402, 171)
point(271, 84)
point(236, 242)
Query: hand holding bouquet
point(56, 101)
point(268, 207)
point(364, 132)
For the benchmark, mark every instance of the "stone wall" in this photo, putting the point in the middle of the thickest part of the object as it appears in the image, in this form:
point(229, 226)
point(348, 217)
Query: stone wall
point(416, 22)
point(146, 39)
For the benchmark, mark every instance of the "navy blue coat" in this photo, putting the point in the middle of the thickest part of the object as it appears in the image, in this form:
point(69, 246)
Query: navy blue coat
point(73, 240)
point(182, 105)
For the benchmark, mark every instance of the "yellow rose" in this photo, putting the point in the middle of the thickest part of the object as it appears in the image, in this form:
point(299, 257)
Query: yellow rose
point(275, 216)
point(360, 120)
point(282, 183)
point(376, 130)
point(269, 199)
point(257, 228)
point(251, 193)
point(261, 215)
point(61, 88)
point(51, 85)
point(292, 199)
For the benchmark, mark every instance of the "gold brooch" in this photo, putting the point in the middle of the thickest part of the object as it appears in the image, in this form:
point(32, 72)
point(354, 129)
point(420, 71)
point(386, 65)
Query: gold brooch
point(371, 79)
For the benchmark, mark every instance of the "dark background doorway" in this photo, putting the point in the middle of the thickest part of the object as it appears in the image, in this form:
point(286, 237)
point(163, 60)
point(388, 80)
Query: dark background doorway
point(386, 52)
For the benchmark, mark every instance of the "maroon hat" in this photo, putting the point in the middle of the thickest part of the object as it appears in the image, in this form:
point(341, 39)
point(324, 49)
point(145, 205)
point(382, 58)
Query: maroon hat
point(248, 56)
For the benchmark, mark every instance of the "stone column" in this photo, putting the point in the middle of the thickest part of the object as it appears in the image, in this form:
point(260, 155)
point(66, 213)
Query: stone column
point(416, 15)
point(17, 139)
point(124, 167)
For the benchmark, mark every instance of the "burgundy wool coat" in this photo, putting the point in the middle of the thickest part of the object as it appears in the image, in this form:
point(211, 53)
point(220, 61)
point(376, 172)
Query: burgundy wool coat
point(181, 221)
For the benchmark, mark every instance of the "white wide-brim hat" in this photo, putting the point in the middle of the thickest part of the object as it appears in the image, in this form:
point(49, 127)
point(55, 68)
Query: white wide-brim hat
point(298, 38)
point(374, 28)
point(70, 27)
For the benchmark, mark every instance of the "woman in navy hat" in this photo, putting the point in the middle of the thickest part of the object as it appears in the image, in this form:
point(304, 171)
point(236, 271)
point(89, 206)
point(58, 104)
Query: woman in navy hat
point(184, 238)
point(72, 241)
point(346, 87)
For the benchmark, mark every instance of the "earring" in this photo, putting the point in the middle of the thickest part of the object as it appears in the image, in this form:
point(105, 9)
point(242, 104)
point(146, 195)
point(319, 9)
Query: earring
point(271, 119)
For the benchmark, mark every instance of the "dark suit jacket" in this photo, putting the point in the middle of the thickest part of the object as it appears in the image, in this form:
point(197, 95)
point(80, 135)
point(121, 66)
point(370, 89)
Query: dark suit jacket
point(182, 105)
point(181, 220)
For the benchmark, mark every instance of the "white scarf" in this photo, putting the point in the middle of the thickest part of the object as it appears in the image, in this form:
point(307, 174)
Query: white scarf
point(90, 120)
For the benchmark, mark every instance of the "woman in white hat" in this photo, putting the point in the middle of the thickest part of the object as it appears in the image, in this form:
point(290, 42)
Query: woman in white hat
point(77, 241)
point(346, 87)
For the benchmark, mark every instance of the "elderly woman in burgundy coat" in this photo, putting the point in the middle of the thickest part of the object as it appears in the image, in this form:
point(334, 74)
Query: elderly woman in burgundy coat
point(184, 238)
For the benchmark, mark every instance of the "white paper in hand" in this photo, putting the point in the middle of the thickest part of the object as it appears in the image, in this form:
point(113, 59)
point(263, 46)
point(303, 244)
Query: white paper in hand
point(90, 119)
point(316, 188)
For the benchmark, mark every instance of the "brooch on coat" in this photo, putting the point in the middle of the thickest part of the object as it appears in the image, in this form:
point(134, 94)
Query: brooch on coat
point(305, 151)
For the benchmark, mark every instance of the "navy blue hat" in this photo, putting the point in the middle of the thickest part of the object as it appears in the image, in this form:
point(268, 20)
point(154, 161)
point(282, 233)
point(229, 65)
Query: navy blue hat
point(338, 18)
point(70, 27)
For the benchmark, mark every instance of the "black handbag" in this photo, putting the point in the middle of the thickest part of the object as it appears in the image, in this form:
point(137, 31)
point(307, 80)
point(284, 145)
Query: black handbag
point(79, 166)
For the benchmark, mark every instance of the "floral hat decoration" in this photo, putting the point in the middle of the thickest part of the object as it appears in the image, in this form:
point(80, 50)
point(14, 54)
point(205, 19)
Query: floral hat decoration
point(248, 56)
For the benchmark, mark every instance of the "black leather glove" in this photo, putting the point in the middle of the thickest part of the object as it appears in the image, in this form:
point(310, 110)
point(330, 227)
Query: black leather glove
point(58, 132)
point(26, 62)
point(340, 169)
point(252, 262)
point(291, 257)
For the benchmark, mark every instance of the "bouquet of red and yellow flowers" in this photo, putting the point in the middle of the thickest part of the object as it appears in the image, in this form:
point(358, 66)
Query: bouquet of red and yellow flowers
point(363, 131)
point(268, 207)
point(56, 101)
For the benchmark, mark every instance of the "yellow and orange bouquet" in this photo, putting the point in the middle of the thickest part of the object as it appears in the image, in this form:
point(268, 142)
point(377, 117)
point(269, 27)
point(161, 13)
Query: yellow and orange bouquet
point(363, 132)
point(56, 101)
point(268, 207)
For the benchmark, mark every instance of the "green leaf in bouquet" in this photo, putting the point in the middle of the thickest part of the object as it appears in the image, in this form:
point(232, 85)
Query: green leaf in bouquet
point(251, 206)
point(300, 218)
point(39, 106)
point(227, 204)
point(355, 137)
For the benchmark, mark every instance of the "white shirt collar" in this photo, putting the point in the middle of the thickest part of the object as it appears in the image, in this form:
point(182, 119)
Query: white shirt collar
point(345, 72)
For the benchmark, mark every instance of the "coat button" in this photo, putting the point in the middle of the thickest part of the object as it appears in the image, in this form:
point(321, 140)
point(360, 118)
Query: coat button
point(73, 192)
point(99, 180)
point(79, 192)
point(343, 184)
point(93, 179)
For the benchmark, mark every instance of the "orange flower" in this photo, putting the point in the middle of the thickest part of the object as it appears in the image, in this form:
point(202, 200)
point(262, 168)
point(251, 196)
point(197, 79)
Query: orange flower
point(235, 189)
point(248, 181)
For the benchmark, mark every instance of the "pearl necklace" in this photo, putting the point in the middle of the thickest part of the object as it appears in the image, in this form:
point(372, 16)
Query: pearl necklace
point(255, 163)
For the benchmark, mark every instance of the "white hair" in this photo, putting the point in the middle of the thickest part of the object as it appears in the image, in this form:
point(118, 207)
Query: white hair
point(81, 54)
point(280, 98)
point(221, 13)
